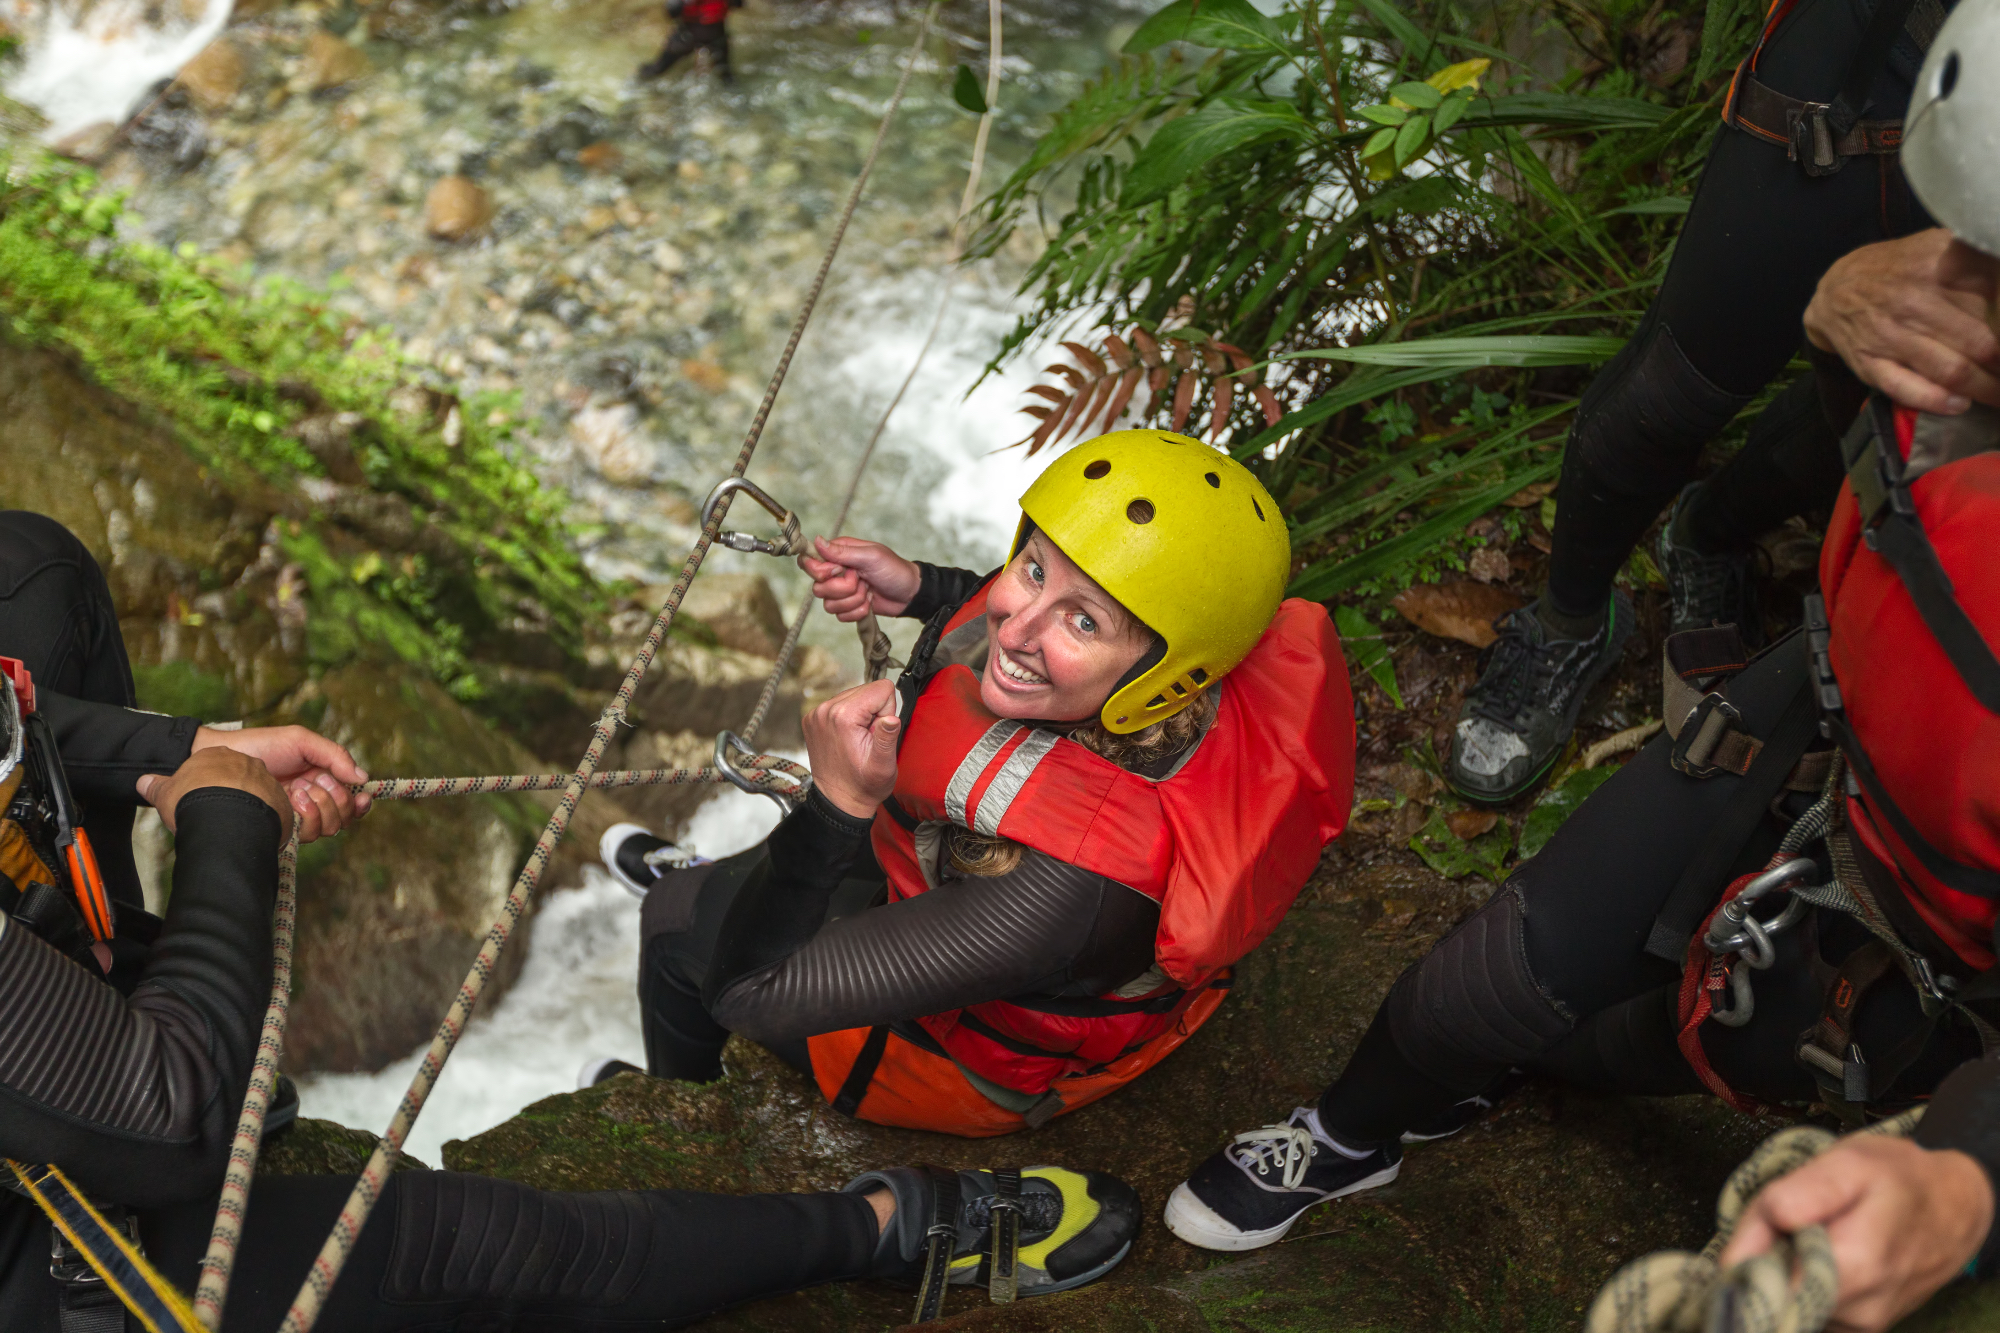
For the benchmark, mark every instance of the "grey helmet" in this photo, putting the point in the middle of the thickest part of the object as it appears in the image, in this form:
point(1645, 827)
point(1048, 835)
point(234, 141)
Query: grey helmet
point(1951, 135)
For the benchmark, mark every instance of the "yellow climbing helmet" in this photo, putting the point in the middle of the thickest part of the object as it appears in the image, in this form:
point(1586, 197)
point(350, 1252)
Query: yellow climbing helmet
point(1186, 539)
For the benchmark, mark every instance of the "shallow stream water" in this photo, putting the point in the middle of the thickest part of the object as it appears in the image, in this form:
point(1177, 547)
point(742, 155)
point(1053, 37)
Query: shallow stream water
point(648, 248)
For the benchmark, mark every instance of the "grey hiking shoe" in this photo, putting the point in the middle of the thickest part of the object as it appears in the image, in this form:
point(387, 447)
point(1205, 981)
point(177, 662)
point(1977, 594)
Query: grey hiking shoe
point(1707, 589)
point(1519, 714)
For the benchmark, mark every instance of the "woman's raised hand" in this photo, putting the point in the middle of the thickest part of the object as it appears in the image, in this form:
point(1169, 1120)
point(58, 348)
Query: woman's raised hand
point(851, 747)
point(854, 577)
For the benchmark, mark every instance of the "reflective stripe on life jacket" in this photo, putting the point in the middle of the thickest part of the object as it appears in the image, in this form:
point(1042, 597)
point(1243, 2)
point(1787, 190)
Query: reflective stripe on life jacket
point(1223, 844)
point(1908, 573)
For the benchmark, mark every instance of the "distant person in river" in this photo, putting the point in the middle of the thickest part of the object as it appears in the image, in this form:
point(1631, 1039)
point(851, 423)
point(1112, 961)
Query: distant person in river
point(699, 25)
point(124, 1064)
point(1025, 868)
point(1793, 901)
point(1803, 173)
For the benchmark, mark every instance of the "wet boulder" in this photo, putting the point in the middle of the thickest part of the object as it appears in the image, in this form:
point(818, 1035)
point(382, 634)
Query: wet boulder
point(214, 77)
point(456, 209)
point(740, 609)
point(331, 62)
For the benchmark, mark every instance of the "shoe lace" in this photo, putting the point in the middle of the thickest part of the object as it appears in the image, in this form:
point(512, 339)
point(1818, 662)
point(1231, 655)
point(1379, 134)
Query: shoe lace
point(1287, 1147)
point(1707, 589)
point(1522, 669)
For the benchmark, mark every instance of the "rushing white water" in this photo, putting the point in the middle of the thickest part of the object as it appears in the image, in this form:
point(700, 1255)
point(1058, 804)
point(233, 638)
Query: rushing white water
point(96, 66)
point(575, 998)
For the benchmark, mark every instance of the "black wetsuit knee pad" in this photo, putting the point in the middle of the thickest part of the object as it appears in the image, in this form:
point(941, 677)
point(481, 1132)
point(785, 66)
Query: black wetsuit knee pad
point(1472, 1007)
point(1644, 419)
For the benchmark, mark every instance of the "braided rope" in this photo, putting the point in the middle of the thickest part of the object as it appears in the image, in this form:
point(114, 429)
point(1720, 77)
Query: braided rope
point(367, 1191)
point(223, 1238)
point(760, 769)
point(875, 644)
point(1675, 1291)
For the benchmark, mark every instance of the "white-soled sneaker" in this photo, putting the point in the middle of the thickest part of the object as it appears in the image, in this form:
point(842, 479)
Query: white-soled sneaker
point(1248, 1195)
point(598, 1068)
point(637, 859)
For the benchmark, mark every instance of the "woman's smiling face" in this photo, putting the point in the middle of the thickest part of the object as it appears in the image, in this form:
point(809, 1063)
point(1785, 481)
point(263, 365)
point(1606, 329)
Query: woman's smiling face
point(1059, 642)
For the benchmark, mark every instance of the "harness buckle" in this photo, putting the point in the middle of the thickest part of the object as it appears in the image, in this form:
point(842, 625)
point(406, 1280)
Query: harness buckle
point(1707, 722)
point(1811, 139)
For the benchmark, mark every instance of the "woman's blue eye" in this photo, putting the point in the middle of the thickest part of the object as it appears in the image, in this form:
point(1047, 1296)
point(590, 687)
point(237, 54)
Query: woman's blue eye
point(1034, 571)
point(1086, 624)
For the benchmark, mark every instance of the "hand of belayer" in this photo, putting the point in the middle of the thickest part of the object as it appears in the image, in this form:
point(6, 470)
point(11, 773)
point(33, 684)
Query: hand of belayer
point(302, 775)
point(1909, 318)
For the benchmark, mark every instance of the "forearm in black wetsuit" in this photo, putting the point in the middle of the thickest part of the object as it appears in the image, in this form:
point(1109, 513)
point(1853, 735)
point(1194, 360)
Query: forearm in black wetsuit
point(106, 749)
point(942, 587)
point(1045, 928)
point(1965, 1114)
point(137, 1098)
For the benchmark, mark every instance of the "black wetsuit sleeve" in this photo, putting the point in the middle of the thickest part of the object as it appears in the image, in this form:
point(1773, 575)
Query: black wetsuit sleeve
point(106, 749)
point(1965, 1114)
point(941, 587)
point(1044, 928)
point(137, 1099)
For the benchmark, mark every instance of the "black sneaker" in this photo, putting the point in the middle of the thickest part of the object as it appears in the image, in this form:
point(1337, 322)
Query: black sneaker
point(1707, 589)
point(1071, 1227)
point(1248, 1195)
point(599, 1068)
point(1519, 714)
point(1460, 1114)
point(637, 859)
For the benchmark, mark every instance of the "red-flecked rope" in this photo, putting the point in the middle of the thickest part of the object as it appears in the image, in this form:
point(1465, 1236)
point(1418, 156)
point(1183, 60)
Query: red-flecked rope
point(210, 1292)
point(325, 1270)
point(759, 768)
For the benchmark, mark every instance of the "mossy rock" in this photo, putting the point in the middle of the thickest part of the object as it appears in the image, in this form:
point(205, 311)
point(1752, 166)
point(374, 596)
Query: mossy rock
point(321, 1148)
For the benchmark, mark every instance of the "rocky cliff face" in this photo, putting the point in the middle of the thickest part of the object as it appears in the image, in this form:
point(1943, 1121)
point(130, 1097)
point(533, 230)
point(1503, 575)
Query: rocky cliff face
point(217, 623)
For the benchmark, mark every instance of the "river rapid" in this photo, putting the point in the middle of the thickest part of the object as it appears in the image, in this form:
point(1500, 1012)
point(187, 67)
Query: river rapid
point(647, 249)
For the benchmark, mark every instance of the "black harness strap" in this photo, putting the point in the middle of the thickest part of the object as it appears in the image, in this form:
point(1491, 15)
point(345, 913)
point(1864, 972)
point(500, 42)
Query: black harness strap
point(855, 1086)
point(1695, 894)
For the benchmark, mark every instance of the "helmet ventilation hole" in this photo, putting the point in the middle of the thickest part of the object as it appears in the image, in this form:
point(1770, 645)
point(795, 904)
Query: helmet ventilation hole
point(1212, 480)
point(1096, 470)
point(1141, 511)
point(1259, 508)
point(1948, 76)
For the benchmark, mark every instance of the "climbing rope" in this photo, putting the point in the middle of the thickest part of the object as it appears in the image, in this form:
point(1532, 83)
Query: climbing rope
point(875, 646)
point(339, 1244)
point(1791, 1288)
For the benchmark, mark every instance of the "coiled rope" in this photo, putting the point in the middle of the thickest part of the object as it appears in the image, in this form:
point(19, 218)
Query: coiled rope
point(212, 1292)
point(1674, 1291)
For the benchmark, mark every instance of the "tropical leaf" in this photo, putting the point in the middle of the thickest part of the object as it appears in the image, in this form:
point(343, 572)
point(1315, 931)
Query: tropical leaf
point(965, 91)
point(1099, 385)
point(1361, 638)
point(1231, 24)
point(1182, 147)
point(1531, 349)
point(1666, 206)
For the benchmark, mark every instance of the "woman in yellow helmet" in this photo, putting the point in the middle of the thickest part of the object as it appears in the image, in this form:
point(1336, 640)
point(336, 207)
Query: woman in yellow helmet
point(1027, 865)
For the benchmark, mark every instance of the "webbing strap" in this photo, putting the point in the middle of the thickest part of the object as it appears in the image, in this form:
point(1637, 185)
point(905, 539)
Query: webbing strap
point(855, 1086)
point(1978, 882)
point(1003, 1281)
point(1692, 896)
point(154, 1302)
point(940, 1242)
point(1888, 19)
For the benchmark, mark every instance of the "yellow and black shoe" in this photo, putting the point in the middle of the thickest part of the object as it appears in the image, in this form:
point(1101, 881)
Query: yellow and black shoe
point(1018, 1233)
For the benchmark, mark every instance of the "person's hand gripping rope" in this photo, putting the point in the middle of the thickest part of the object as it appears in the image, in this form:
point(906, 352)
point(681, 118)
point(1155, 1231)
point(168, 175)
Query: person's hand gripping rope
point(851, 747)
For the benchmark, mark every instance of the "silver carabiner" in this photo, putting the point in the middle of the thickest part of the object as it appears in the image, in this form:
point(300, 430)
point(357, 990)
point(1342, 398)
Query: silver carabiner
point(1734, 930)
point(726, 765)
point(792, 542)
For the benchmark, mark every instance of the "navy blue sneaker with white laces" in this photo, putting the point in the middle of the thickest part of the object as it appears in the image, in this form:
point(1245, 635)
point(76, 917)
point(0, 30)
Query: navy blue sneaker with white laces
point(637, 859)
point(1248, 1195)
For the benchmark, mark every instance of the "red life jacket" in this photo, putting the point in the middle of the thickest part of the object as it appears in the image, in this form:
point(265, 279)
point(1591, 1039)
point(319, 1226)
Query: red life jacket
point(1224, 844)
point(704, 11)
point(1908, 572)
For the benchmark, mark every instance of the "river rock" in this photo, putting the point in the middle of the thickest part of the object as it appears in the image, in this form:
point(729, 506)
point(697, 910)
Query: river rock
point(741, 609)
point(215, 76)
point(331, 62)
point(609, 439)
point(456, 208)
point(88, 144)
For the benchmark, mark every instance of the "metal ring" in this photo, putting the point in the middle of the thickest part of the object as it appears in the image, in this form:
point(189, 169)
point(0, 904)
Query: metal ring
point(1743, 1004)
point(1758, 951)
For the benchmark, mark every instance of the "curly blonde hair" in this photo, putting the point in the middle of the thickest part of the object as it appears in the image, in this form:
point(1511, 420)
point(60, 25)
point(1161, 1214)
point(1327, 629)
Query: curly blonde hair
point(984, 855)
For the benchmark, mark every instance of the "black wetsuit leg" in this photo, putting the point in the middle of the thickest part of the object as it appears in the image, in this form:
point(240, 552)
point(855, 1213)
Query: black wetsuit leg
point(1553, 972)
point(443, 1247)
point(57, 617)
point(1758, 238)
point(685, 40)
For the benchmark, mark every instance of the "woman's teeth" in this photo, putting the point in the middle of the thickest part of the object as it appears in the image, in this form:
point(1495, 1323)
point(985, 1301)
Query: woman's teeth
point(1013, 670)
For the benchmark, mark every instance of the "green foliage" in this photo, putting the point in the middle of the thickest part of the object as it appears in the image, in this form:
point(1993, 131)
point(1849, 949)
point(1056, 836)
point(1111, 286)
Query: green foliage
point(1387, 203)
point(183, 690)
point(1557, 804)
point(965, 91)
point(1360, 636)
point(1455, 857)
point(234, 368)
